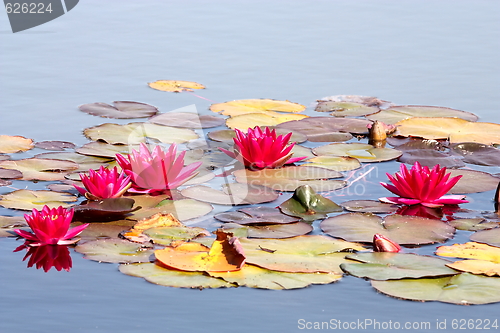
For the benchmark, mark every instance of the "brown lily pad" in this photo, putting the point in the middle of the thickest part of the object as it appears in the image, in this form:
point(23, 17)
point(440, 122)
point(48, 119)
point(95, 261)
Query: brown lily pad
point(119, 110)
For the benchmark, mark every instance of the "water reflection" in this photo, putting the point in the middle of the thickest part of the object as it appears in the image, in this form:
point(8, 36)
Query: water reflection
point(430, 213)
point(47, 256)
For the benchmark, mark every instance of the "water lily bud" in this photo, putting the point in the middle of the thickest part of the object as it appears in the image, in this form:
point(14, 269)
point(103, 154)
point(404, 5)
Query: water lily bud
point(384, 244)
point(377, 134)
point(307, 196)
point(497, 199)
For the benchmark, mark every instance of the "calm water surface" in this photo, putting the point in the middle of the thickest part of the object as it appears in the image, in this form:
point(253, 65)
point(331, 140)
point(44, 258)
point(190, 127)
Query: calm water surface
point(441, 53)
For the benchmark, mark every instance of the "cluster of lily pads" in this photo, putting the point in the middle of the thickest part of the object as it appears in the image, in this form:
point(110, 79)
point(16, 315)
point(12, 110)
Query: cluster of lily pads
point(134, 199)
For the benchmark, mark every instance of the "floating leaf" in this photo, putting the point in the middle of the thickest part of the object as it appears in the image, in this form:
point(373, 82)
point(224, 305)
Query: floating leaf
point(430, 158)
point(135, 133)
point(245, 106)
point(9, 223)
point(256, 277)
point(345, 109)
point(231, 194)
point(229, 135)
point(119, 110)
point(187, 120)
point(460, 289)
point(225, 254)
point(369, 206)
point(183, 209)
point(389, 266)
point(167, 235)
point(55, 145)
point(105, 230)
point(485, 259)
point(256, 215)
point(477, 153)
point(75, 157)
point(289, 178)
point(269, 230)
point(102, 149)
point(173, 278)
point(474, 224)
point(336, 163)
point(250, 120)
point(175, 86)
point(104, 210)
point(40, 169)
point(327, 129)
point(10, 174)
point(491, 237)
point(401, 112)
point(302, 254)
point(13, 144)
point(360, 227)
point(115, 251)
point(308, 205)
point(473, 181)
point(362, 152)
point(454, 129)
point(27, 199)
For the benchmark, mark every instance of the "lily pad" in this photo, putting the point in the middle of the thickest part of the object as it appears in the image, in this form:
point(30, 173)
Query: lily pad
point(175, 85)
point(369, 206)
point(229, 135)
point(473, 181)
point(166, 235)
point(102, 149)
point(308, 205)
point(187, 120)
point(336, 163)
point(490, 237)
point(483, 258)
point(477, 153)
point(163, 276)
point(430, 158)
point(40, 169)
point(327, 129)
point(135, 133)
point(55, 145)
point(277, 231)
point(360, 227)
point(75, 157)
point(256, 215)
point(27, 199)
point(119, 110)
point(10, 174)
point(345, 109)
point(363, 152)
point(302, 254)
point(463, 289)
point(115, 251)
point(289, 178)
point(103, 230)
point(474, 224)
point(250, 120)
point(454, 129)
point(104, 210)
point(256, 277)
point(183, 209)
point(245, 106)
point(393, 266)
point(13, 144)
point(9, 223)
point(401, 112)
point(231, 194)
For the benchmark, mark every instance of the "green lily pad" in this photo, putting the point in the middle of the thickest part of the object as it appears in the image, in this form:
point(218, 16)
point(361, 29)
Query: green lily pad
point(187, 120)
point(393, 266)
point(55, 145)
point(160, 275)
point(256, 277)
point(231, 194)
point(40, 169)
point(166, 235)
point(401, 112)
point(75, 157)
point(335, 163)
point(345, 109)
point(369, 206)
point(229, 135)
point(362, 152)
point(115, 251)
point(135, 133)
point(119, 110)
point(302, 254)
point(463, 289)
point(104, 210)
point(104, 230)
point(102, 149)
point(308, 205)
point(256, 215)
point(9, 223)
point(474, 224)
point(490, 237)
point(27, 199)
point(430, 158)
point(183, 209)
point(289, 178)
point(477, 153)
point(473, 181)
point(360, 227)
point(278, 231)
point(13, 144)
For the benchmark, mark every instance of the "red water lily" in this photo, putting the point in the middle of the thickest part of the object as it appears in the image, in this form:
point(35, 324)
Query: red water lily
point(156, 171)
point(422, 186)
point(262, 149)
point(50, 227)
point(47, 256)
point(104, 183)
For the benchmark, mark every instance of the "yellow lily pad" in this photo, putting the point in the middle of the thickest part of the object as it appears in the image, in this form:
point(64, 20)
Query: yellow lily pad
point(13, 144)
point(175, 86)
point(40, 168)
point(250, 120)
point(362, 152)
point(401, 112)
point(28, 199)
point(485, 258)
point(244, 106)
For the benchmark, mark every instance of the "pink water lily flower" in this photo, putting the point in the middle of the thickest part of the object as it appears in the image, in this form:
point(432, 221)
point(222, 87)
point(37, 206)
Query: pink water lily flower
point(156, 171)
point(262, 149)
point(50, 227)
point(104, 183)
point(422, 186)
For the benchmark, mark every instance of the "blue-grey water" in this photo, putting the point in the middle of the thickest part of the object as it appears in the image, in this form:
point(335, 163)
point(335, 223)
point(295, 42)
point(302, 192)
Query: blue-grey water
point(441, 53)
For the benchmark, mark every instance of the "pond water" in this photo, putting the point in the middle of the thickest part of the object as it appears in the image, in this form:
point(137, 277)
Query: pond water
point(409, 52)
